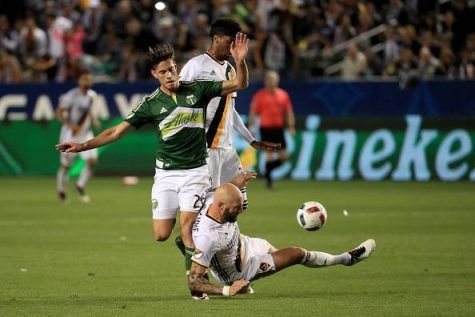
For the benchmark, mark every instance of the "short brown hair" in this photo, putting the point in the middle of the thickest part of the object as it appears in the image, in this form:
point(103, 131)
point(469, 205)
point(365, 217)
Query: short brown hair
point(159, 53)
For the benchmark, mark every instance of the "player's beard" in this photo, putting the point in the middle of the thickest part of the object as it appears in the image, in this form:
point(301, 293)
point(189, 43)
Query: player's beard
point(228, 216)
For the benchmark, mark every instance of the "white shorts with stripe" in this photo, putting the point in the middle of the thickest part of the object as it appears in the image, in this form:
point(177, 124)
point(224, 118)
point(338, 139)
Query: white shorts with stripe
point(178, 190)
point(68, 158)
point(256, 263)
point(223, 164)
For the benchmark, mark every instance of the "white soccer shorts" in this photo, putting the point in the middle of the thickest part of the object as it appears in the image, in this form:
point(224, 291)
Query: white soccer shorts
point(257, 262)
point(67, 159)
point(223, 164)
point(178, 190)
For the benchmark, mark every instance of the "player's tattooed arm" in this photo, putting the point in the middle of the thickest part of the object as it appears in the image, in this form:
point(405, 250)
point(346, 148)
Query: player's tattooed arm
point(197, 282)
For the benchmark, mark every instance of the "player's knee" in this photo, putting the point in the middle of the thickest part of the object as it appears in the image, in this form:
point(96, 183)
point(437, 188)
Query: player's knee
point(298, 253)
point(161, 236)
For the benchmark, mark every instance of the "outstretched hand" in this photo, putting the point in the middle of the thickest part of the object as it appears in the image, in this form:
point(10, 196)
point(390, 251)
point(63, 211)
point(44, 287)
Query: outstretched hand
point(241, 179)
point(238, 287)
point(266, 146)
point(70, 147)
point(239, 47)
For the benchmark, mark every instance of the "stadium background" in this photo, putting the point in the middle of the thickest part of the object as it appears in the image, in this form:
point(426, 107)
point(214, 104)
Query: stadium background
point(360, 67)
point(393, 81)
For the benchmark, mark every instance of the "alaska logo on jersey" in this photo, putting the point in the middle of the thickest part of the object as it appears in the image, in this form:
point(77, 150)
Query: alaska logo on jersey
point(191, 99)
point(181, 117)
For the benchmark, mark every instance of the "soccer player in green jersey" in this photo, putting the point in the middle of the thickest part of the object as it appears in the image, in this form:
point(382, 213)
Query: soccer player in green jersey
point(177, 109)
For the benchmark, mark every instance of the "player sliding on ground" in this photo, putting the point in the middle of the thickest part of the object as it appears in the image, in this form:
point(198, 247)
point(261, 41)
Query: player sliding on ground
point(236, 260)
point(177, 110)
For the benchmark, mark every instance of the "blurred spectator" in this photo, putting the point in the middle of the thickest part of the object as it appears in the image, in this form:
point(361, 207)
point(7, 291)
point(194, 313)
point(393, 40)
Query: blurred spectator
point(10, 71)
point(9, 39)
point(294, 37)
point(466, 67)
point(129, 70)
point(428, 65)
point(391, 47)
point(59, 28)
point(275, 53)
point(93, 21)
point(406, 66)
point(354, 63)
point(33, 41)
point(344, 31)
point(374, 63)
point(447, 64)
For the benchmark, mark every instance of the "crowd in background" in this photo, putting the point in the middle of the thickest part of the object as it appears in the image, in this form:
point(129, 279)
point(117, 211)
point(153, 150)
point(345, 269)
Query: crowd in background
point(58, 40)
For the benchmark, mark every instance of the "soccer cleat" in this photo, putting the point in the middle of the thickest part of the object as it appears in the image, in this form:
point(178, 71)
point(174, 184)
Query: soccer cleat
point(82, 195)
point(249, 290)
point(85, 199)
point(62, 197)
point(362, 251)
point(199, 295)
point(180, 245)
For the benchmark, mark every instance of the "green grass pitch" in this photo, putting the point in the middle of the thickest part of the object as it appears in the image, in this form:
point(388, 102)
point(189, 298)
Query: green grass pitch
point(99, 259)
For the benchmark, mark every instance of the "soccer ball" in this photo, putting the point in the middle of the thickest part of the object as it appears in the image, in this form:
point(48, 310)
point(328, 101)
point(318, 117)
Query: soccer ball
point(312, 216)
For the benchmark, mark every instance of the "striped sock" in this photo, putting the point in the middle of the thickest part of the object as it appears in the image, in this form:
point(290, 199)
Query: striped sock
point(245, 204)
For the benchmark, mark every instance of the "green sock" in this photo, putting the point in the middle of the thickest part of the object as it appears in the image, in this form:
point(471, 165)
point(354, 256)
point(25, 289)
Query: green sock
point(188, 254)
point(180, 245)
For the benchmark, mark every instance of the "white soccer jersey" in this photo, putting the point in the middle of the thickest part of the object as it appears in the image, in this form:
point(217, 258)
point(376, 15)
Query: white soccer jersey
point(218, 246)
point(220, 110)
point(78, 106)
point(230, 254)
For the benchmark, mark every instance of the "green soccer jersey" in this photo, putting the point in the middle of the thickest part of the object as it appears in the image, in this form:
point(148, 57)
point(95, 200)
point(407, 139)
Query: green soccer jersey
point(180, 121)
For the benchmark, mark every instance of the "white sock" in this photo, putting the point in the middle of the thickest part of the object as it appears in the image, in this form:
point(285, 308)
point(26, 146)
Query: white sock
point(84, 177)
point(321, 259)
point(62, 178)
point(244, 195)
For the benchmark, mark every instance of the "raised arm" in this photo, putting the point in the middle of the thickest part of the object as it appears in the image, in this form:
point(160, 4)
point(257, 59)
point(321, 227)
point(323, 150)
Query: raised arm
point(239, 49)
point(197, 282)
point(105, 137)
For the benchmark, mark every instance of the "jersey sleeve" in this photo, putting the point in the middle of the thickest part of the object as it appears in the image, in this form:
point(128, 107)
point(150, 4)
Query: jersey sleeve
point(139, 116)
point(66, 100)
point(205, 250)
point(210, 89)
point(241, 128)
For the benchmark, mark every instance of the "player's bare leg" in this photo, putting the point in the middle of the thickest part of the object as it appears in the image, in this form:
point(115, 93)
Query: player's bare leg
point(86, 174)
point(162, 228)
point(272, 164)
point(294, 255)
point(62, 178)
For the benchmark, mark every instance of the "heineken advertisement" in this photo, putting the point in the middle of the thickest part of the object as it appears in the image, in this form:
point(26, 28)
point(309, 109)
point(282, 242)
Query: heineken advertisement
point(411, 152)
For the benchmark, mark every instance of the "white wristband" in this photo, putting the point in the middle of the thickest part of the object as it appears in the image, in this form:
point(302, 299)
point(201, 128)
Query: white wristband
point(226, 290)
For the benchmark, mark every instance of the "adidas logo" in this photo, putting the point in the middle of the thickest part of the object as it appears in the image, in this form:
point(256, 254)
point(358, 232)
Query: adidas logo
point(163, 110)
point(213, 73)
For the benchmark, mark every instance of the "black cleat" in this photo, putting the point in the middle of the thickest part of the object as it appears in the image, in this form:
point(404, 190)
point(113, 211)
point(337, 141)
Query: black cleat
point(362, 251)
point(62, 197)
point(180, 245)
point(199, 295)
